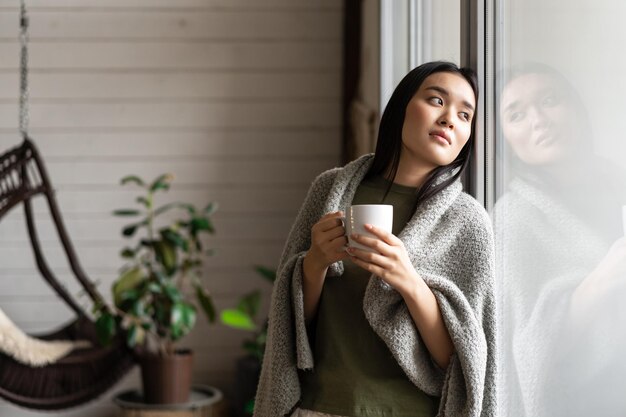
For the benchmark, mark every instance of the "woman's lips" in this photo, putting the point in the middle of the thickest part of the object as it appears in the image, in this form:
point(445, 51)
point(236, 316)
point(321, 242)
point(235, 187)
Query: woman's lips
point(440, 138)
point(545, 139)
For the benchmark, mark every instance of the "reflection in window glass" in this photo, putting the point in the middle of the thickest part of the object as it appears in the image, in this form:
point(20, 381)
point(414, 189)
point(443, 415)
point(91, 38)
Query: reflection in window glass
point(559, 223)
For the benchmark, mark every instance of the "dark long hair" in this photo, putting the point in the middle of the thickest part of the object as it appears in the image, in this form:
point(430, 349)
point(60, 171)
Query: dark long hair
point(389, 145)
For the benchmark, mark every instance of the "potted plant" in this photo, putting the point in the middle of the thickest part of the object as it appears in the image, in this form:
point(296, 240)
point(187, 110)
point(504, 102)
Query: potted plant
point(248, 368)
point(160, 290)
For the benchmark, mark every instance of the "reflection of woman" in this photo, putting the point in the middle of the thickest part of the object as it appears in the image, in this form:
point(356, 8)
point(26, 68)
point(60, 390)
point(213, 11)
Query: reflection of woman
point(554, 226)
point(420, 343)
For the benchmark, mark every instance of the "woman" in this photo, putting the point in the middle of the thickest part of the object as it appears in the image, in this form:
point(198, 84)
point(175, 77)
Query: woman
point(408, 331)
point(561, 256)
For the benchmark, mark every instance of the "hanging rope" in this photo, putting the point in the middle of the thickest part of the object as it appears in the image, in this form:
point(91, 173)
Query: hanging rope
point(24, 115)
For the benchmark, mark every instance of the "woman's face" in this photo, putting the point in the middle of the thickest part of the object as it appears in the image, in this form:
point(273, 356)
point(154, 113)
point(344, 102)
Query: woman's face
point(538, 120)
point(438, 120)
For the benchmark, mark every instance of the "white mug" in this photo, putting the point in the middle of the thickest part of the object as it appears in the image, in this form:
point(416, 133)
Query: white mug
point(357, 216)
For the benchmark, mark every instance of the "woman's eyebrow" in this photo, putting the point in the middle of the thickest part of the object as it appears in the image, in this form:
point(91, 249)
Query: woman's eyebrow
point(444, 92)
point(512, 106)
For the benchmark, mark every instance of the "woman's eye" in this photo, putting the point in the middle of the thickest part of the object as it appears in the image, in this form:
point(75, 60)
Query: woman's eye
point(465, 116)
point(549, 101)
point(516, 116)
point(436, 100)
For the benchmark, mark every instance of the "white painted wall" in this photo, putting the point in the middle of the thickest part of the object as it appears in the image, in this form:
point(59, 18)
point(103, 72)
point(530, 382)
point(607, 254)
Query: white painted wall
point(240, 99)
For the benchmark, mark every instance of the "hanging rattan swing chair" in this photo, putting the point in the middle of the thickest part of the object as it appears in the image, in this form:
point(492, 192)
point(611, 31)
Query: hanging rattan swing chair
point(83, 374)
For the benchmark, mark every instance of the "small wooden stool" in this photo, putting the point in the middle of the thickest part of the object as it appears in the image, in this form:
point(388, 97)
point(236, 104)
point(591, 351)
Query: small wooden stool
point(204, 401)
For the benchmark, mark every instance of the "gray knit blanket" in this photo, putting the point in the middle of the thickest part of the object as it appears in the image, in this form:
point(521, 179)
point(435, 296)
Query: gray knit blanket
point(450, 243)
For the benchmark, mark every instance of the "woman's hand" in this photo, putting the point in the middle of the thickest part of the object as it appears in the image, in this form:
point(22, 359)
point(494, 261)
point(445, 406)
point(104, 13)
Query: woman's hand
point(327, 247)
point(391, 262)
point(328, 241)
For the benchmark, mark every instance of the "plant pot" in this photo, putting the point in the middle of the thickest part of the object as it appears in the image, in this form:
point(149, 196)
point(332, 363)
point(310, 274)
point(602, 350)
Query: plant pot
point(247, 375)
point(166, 379)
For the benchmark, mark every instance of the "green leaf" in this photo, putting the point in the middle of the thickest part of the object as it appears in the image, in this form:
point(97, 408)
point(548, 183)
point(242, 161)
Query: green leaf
point(250, 303)
point(173, 293)
point(249, 406)
point(237, 319)
point(202, 223)
point(189, 207)
point(105, 328)
point(165, 208)
point(127, 298)
point(162, 182)
point(130, 230)
point(166, 255)
point(131, 336)
point(136, 335)
point(127, 253)
point(126, 212)
point(138, 308)
point(175, 238)
point(210, 209)
point(204, 298)
point(267, 273)
point(182, 319)
point(129, 280)
point(155, 288)
point(144, 201)
point(132, 178)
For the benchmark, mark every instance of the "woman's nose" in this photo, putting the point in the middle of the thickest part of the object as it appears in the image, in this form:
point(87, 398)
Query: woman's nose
point(537, 118)
point(444, 121)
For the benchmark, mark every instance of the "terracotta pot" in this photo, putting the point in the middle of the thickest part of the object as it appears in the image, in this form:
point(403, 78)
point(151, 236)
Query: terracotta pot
point(166, 379)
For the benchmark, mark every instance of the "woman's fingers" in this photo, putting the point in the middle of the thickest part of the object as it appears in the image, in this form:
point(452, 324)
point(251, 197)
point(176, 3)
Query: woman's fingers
point(371, 242)
point(370, 267)
point(369, 257)
point(329, 221)
point(383, 235)
point(339, 243)
point(333, 233)
point(336, 249)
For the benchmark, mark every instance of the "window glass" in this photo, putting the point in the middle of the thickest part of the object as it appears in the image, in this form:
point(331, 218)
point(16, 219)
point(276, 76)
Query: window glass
point(559, 217)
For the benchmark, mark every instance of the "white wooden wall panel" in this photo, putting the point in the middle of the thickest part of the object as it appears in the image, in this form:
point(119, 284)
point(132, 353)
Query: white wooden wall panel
point(108, 228)
point(174, 85)
point(218, 143)
point(156, 56)
point(240, 99)
point(254, 200)
point(177, 113)
point(214, 25)
point(182, 4)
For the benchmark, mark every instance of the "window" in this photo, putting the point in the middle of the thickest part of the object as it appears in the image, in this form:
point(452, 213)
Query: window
point(559, 185)
point(549, 166)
